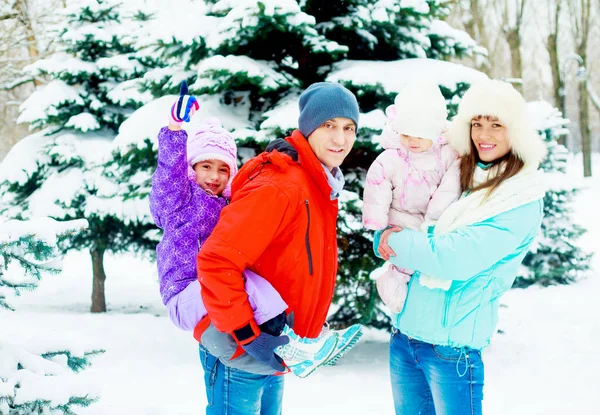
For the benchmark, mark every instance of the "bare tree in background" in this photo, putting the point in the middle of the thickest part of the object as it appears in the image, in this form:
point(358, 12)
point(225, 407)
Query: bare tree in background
point(473, 13)
point(491, 23)
point(580, 12)
point(512, 13)
point(20, 23)
point(554, 12)
point(18, 43)
point(479, 21)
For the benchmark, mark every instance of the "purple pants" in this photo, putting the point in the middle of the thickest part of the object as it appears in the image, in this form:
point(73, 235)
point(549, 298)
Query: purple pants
point(186, 308)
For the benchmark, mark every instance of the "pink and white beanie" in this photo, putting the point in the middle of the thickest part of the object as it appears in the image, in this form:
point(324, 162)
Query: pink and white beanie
point(213, 142)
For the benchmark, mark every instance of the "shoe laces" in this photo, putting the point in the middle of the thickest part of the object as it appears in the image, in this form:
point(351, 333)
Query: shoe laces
point(292, 352)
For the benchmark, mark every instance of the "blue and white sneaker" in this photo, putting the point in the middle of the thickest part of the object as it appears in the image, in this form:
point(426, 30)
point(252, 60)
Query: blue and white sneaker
point(347, 339)
point(303, 355)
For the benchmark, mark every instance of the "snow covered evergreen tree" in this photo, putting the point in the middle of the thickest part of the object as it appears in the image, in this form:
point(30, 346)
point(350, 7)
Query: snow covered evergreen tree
point(248, 61)
point(37, 378)
point(555, 258)
point(59, 171)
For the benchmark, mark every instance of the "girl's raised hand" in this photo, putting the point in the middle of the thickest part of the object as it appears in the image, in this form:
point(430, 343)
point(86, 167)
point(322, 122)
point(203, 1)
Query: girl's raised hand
point(183, 109)
point(384, 249)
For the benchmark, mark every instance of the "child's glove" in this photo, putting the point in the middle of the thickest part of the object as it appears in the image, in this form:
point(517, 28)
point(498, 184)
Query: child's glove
point(263, 348)
point(183, 109)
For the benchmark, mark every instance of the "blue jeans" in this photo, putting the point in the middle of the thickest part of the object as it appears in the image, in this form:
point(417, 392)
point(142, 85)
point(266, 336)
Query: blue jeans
point(232, 391)
point(434, 380)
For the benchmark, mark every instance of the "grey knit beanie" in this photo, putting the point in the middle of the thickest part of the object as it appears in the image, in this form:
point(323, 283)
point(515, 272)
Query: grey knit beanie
point(324, 101)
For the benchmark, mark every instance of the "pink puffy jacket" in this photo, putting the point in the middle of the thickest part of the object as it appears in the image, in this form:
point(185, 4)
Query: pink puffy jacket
point(410, 189)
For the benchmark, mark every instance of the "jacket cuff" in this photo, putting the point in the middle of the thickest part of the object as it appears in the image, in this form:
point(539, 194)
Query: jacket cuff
point(376, 240)
point(246, 333)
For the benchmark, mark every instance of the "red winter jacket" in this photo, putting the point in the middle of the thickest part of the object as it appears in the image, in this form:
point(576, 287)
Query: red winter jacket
point(281, 223)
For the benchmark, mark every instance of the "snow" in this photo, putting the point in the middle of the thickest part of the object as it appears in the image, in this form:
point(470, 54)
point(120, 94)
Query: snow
point(59, 62)
point(544, 362)
point(22, 158)
point(168, 24)
point(544, 116)
point(395, 74)
point(129, 92)
point(122, 63)
point(284, 115)
point(45, 99)
point(89, 31)
point(210, 70)
point(61, 186)
point(148, 120)
point(245, 16)
point(374, 120)
point(420, 6)
point(451, 35)
point(83, 122)
point(43, 229)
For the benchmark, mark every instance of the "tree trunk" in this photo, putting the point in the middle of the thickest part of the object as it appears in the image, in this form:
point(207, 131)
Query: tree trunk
point(514, 43)
point(586, 135)
point(558, 86)
point(22, 8)
point(99, 276)
point(584, 98)
point(555, 66)
point(476, 29)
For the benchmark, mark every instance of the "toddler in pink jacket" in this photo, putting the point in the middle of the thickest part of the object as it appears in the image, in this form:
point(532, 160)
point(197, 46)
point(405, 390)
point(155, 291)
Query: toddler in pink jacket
point(414, 180)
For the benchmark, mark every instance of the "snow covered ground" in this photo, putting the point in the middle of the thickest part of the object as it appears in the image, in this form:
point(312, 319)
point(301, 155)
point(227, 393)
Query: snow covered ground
point(545, 362)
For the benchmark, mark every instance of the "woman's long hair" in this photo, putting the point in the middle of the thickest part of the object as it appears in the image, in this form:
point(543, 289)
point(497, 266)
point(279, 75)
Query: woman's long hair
point(508, 166)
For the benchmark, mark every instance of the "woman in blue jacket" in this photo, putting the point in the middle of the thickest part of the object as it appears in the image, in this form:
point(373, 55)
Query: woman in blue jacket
point(469, 259)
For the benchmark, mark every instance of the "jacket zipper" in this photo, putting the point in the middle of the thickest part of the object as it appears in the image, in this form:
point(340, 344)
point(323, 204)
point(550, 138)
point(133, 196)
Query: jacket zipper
point(308, 251)
point(446, 308)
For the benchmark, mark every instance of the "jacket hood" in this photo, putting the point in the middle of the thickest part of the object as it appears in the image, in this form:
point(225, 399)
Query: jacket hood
point(283, 153)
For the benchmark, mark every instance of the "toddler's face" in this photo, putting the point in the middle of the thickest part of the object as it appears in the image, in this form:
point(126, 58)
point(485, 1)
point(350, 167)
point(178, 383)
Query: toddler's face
point(212, 175)
point(416, 144)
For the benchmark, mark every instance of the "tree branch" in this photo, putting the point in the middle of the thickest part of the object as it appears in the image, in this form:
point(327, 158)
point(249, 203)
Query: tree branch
point(593, 97)
point(520, 14)
point(16, 83)
point(8, 16)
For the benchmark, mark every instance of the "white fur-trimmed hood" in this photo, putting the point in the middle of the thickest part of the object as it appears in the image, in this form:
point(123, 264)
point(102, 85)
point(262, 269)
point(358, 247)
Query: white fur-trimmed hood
point(499, 99)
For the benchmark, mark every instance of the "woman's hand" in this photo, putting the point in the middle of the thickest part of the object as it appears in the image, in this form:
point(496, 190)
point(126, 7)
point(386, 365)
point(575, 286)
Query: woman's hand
point(384, 249)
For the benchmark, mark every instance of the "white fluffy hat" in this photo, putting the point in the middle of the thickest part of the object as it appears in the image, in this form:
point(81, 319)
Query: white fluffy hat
point(498, 99)
point(419, 110)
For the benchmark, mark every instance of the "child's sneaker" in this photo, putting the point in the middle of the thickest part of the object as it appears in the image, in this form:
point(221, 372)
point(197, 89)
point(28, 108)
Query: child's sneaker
point(302, 355)
point(347, 339)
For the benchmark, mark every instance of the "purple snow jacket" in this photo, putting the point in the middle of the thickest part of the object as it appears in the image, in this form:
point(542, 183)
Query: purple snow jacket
point(185, 212)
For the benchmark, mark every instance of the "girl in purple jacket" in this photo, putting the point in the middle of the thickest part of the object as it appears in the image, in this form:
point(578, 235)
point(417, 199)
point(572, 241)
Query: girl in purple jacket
point(190, 186)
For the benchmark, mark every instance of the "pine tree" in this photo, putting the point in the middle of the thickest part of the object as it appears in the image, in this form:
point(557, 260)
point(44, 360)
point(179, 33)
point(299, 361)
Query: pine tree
point(555, 258)
point(37, 379)
point(248, 61)
point(92, 89)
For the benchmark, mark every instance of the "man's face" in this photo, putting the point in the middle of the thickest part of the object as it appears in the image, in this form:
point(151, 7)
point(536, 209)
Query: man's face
point(333, 140)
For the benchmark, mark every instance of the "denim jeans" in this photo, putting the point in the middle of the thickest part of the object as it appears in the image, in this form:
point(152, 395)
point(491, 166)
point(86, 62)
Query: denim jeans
point(434, 380)
point(232, 391)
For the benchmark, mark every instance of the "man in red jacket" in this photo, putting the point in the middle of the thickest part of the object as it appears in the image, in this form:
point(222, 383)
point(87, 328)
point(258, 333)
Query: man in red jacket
point(281, 224)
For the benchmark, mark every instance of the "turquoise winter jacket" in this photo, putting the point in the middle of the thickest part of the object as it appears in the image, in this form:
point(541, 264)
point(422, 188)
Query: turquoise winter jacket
point(481, 259)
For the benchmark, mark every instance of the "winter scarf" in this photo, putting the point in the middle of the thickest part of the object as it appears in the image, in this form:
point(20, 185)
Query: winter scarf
point(521, 189)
